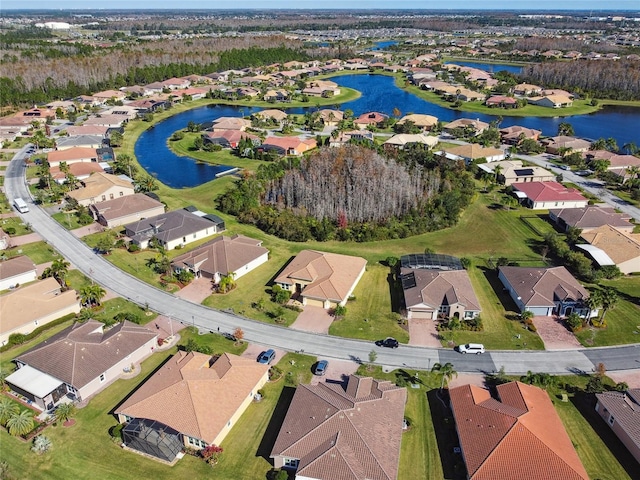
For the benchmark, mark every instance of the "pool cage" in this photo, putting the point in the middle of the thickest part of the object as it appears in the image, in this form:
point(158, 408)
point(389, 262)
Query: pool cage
point(153, 438)
point(432, 261)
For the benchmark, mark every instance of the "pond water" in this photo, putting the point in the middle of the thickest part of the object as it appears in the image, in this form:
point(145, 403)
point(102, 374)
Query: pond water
point(489, 67)
point(380, 94)
point(384, 44)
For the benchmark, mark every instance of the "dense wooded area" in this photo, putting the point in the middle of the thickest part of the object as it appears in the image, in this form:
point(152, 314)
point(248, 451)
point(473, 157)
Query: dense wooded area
point(619, 80)
point(352, 194)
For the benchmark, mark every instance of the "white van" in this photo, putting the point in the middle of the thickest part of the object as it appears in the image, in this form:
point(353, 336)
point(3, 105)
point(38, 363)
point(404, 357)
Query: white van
point(20, 205)
point(476, 348)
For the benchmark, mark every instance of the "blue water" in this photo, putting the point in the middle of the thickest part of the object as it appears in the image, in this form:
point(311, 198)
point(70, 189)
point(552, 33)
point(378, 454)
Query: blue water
point(490, 67)
point(380, 94)
point(384, 45)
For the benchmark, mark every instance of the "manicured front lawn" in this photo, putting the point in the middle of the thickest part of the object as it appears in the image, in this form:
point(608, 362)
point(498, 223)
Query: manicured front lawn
point(38, 252)
point(68, 220)
point(15, 223)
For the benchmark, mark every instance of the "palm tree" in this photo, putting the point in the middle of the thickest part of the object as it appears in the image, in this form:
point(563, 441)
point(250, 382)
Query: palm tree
point(609, 301)
point(631, 148)
point(59, 269)
point(8, 409)
point(593, 302)
point(91, 294)
point(65, 411)
point(20, 423)
point(565, 128)
point(446, 371)
point(497, 171)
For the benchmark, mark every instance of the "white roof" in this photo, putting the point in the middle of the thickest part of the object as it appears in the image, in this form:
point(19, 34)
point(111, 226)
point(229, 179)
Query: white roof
point(598, 255)
point(519, 194)
point(34, 381)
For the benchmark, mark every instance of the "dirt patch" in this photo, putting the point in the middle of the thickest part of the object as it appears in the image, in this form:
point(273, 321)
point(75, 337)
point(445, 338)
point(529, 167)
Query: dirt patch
point(69, 423)
point(554, 334)
point(313, 319)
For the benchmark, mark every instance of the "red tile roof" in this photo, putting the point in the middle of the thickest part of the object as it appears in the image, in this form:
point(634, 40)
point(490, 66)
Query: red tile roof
point(549, 192)
point(519, 436)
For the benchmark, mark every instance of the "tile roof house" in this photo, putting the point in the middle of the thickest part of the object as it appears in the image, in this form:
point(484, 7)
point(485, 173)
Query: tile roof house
point(78, 130)
point(545, 291)
point(400, 141)
point(72, 155)
point(86, 141)
point(171, 229)
point(230, 123)
point(229, 138)
point(621, 411)
point(515, 134)
point(79, 361)
point(333, 432)
point(474, 151)
point(274, 114)
point(289, 145)
point(618, 247)
point(237, 254)
point(370, 118)
point(29, 307)
point(330, 117)
point(16, 271)
point(81, 171)
point(501, 101)
point(429, 293)
point(512, 171)
point(199, 397)
point(551, 101)
point(526, 89)
point(554, 145)
point(322, 279)
point(101, 187)
point(127, 209)
point(476, 126)
point(515, 436)
point(543, 195)
point(590, 217)
point(425, 122)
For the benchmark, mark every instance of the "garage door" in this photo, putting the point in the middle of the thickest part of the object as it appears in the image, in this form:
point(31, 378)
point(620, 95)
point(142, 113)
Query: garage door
point(421, 314)
point(314, 303)
point(542, 311)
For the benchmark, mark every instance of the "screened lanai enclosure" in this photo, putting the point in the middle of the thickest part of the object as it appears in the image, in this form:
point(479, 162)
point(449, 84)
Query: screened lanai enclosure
point(153, 438)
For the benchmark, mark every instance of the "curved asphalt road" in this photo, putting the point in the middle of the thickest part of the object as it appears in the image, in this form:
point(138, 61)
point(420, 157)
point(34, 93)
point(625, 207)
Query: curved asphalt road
point(107, 275)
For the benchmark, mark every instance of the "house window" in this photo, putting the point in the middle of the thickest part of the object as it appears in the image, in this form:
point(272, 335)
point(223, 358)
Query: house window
point(194, 235)
point(111, 196)
point(611, 420)
point(104, 197)
point(291, 462)
point(102, 377)
point(184, 239)
point(122, 194)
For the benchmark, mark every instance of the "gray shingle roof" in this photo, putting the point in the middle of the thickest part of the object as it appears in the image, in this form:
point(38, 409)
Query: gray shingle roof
point(625, 409)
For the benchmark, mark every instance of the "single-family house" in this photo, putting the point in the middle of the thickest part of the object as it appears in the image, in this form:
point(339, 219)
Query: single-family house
point(289, 145)
point(172, 229)
point(545, 291)
point(343, 138)
point(230, 123)
point(403, 140)
point(322, 279)
point(501, 101)
point(86, 141)
point(469, 124)
point(101, 187)
point(16, 271)
point(551, 101)
point(72, 155)
point(621, 411)
point(470, 152)
point(321, 88)
point(276, 95)
point(515, 134)
point(81, 171)
point(590, 218)
point(111, 121)
point(29, 307)
point(192, 401)
point(424, 122)
point(512, 171)
point(229, 138)
point(236, 255)
point(433, 293)
point(610, 246)
point(176, 83)
point(92, 130)
point(351, 432)
point(544, 195)
point(329, 117)
point(79, 361)
point(271, 114)
point(526, 89)
point(110, 95)
point(375, 119)
point(516, 435)
point(555, 145)
point(126, 209)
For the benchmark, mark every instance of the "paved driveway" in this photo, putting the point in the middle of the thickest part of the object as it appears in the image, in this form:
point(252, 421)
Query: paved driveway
point(196, 291)
point(554, 334)
point(24, 239)
point(87, 229)
point(313, 319)
point(337, 371)
point(255, 349)
point(422, 332)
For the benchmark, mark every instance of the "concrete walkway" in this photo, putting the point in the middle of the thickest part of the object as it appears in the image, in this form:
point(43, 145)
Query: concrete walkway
point(555, 335)
point(423, 333)
point(313, 319)
point(24, 239)
point(87, 229)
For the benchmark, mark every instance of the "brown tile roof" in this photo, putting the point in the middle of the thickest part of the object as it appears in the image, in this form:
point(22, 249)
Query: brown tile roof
point(77, 170)
point(77, 130)
point(330, 276)
point(440, 287)
point(474, 151)
point(222, 255)
point(97, 184)
point(467, 122)
point(541, 287)
point(337, 433)
point(16, 266)
point(625, 409)
point(591, 217)
point(519, 436)
point(34, 301)
point(419, 120)
point(75, 153)
point(618, 246)
point(196, 394)
point(124, 206)
point(81, 353)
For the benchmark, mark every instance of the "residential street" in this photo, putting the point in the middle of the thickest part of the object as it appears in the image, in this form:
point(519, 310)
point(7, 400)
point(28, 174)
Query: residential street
point(113, 279)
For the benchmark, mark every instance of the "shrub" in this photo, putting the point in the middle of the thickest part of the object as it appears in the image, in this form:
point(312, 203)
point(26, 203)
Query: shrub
point(116, 431)
point(17, 338)
point(10, 230)
point(133, 247)
point(130, 316)
point(41, 444)
point(574, 322)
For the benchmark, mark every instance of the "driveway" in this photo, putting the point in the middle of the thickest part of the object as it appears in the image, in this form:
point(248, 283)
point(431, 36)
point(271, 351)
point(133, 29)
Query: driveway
point(164, 326)
point(24, 239)
point(255, 349)
point(631, 377)
point(422, 332)
point(196, 291)
point(87, 229)
point(313, 319)
point(554, 334)
point(337, 372)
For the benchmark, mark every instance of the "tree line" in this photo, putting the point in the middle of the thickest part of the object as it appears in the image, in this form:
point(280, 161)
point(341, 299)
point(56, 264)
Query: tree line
point(351, 194)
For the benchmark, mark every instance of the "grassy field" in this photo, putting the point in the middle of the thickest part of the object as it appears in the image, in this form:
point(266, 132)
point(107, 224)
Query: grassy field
point(17, 224)
point(68, 220)
point(39, 252)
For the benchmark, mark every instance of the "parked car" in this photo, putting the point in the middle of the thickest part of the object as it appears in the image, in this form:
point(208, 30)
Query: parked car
point(476, 348)
point(267, 357)
point(321, 367)
point(388, 342)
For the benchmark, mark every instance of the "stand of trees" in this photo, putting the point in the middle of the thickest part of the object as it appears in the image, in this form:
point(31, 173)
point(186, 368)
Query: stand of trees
point(351, 194)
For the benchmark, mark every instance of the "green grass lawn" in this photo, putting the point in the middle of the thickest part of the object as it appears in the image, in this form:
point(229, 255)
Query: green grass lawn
point(17, 224)
point(39, 252)
point(68, 220)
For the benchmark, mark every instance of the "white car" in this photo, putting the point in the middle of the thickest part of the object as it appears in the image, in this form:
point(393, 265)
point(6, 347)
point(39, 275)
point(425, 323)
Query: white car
point(476, 348)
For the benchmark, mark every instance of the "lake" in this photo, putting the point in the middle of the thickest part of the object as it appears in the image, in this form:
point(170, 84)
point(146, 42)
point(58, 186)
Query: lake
point(380, 94)
point(489, 67)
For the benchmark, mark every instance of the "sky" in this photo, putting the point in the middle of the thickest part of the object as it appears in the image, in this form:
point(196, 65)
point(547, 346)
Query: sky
point(329, 4)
